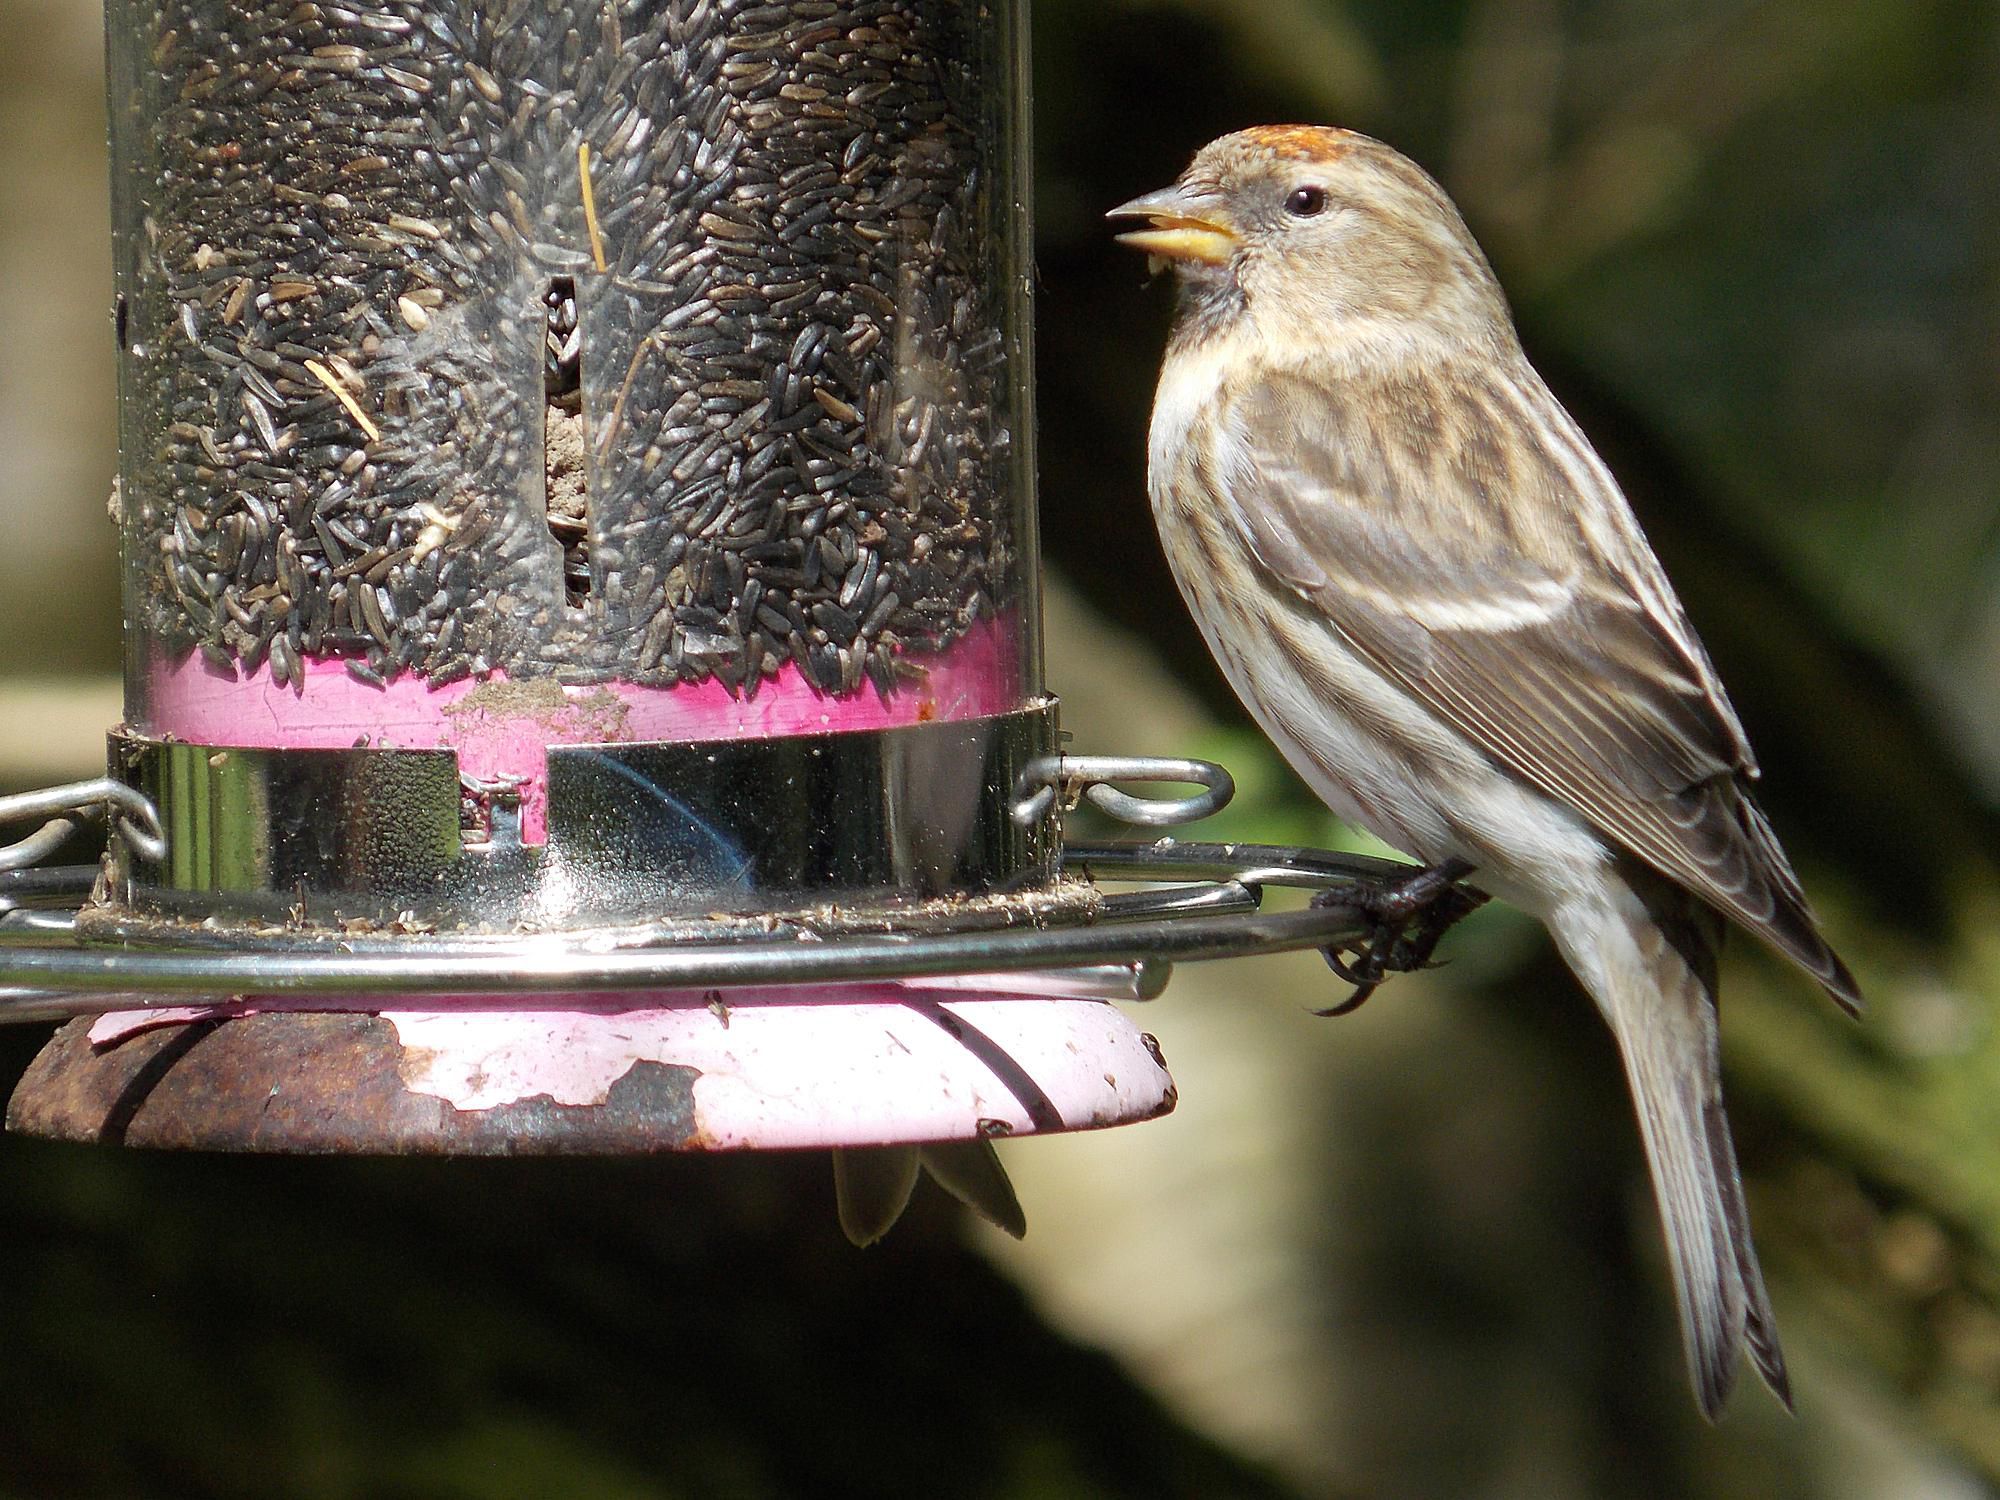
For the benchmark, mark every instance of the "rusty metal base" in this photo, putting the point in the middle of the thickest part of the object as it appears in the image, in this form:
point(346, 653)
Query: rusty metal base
point(315, 1084)
point(715, 1070)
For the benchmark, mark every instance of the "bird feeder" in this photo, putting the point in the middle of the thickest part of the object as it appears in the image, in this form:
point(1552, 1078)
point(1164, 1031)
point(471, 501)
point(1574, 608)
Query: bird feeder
point(582, 676)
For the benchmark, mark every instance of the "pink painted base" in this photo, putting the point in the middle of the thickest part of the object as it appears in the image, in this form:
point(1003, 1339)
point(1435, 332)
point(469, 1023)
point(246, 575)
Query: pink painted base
point(502, 728)
point(852, 1065)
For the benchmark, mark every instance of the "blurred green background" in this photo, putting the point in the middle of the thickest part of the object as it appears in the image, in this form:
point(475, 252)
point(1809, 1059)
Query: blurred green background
point(1756, 247)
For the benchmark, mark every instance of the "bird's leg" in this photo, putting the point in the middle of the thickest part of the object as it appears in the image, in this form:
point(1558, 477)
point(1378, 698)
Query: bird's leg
point(1407, 920)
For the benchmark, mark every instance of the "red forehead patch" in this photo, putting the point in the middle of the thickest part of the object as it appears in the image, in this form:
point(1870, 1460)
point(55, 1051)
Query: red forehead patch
point(1301, 142)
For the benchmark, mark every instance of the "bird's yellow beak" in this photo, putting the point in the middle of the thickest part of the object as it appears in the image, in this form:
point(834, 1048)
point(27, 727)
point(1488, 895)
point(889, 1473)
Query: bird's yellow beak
point(1184, 226)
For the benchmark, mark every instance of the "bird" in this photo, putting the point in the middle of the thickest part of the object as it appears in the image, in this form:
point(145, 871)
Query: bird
point(1433, 597)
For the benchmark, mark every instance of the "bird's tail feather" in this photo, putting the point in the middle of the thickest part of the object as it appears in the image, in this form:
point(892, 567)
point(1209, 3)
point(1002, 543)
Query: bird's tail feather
point(1647, 955)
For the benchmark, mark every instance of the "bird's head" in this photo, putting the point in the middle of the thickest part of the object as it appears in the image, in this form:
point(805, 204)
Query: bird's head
point(1304, 228)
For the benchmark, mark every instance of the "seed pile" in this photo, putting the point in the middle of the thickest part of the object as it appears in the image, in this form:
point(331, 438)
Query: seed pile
point(379, 308)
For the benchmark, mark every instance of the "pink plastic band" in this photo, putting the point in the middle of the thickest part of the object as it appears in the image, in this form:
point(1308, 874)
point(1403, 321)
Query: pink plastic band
point(502, 728)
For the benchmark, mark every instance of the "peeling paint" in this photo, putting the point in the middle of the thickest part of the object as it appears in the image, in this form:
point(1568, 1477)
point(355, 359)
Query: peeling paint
point(863, 1064)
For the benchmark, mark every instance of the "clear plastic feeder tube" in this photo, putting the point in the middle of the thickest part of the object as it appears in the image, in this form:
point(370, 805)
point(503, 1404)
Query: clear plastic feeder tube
point(502, 377)
point(674, 346)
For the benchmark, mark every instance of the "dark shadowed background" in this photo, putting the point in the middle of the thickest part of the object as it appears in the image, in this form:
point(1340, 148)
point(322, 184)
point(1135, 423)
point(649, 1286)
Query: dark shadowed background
point(1756, 247)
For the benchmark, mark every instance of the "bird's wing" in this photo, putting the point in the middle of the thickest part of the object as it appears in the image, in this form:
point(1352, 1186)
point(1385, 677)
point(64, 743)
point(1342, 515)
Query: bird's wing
point(1460, 533)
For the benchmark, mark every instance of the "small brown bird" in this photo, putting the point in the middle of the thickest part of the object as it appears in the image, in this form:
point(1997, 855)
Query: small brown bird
point(1430, 592)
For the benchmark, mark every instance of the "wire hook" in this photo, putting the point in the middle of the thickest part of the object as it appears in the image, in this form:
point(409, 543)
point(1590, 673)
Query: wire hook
point(1091, 776)
point(137, 820)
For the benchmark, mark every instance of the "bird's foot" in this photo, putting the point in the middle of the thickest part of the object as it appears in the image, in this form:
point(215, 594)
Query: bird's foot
point(1406, 922)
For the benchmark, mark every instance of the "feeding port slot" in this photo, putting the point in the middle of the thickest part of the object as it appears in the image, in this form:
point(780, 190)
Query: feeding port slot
point(564, 439)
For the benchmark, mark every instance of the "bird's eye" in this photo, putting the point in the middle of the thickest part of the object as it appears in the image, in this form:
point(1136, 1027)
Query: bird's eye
point(1305, 202)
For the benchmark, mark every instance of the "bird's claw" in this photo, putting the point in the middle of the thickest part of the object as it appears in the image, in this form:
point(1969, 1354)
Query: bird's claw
point(1409, 919)
point(1352, 1003)
point(1365, 973)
